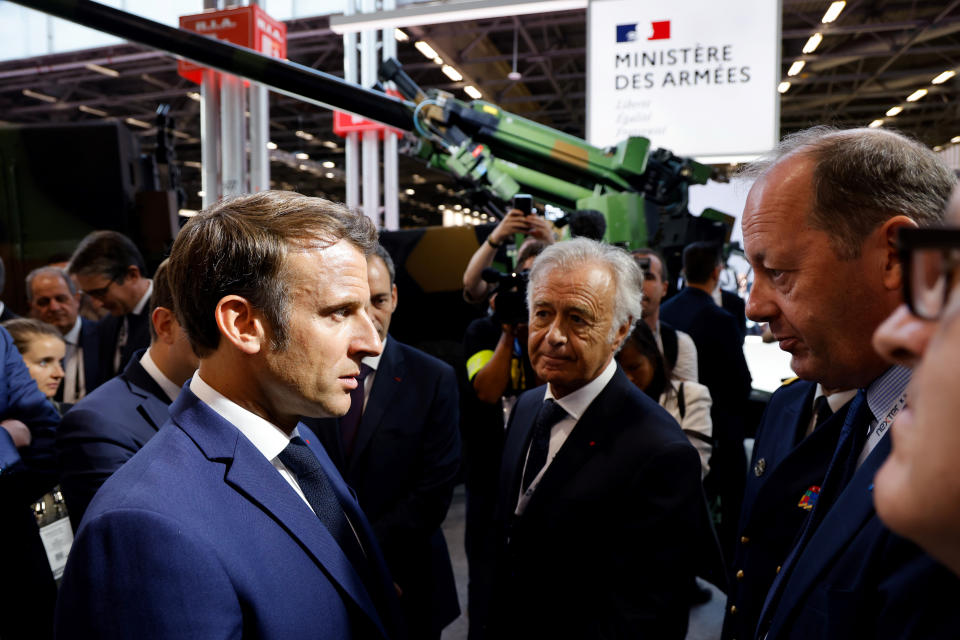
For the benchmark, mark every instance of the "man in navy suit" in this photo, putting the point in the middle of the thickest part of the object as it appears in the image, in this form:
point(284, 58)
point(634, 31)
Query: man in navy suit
point(399, 448)
point(109, 268)
point(27, 471)
point(54, 298)
point(820, 230)
point(101, 432)
point(723, 370)
point(600, 517)
point(232, 521)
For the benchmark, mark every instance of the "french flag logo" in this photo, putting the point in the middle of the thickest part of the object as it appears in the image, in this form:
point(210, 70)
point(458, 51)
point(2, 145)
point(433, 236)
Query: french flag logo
point(626, 32)
point(660, 30)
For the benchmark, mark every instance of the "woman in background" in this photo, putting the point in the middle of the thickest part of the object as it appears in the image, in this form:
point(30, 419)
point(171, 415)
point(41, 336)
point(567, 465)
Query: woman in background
point(43, 350)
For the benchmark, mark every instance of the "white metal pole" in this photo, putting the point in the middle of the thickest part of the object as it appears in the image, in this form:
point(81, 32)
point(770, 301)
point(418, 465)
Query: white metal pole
point(391, 188)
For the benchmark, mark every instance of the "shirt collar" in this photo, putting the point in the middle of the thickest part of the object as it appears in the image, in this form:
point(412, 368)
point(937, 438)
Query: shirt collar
point(835, 400)
point(268, 438)
point(576, 402)
point(169, 386)
point(137, 310)
point(73, 336)
point(374, 361)
point(884, 392)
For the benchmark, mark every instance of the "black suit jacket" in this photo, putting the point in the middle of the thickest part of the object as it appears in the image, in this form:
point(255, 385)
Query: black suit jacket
point(102, 431)
point(138, 337)
point(7, 314)
point(612, 536)
point(785, 466)
point(735, 306)
point(89, 342)
point(403, 469)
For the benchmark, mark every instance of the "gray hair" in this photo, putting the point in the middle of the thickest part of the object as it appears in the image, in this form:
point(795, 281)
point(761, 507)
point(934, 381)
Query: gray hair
point(384, 255)
point(862, 178)
point(49, 271)
point(627, 276)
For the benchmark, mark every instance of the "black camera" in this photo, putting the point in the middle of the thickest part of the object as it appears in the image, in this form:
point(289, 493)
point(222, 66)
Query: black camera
point(511, 290)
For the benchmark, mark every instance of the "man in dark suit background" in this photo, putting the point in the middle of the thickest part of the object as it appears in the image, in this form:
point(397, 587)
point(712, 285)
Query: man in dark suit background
point(101, 432)
point(54, 299)
point(5, 312)
point(232, 521)
point(109, 268)
point(723, 370)
point(399, 448)
point(600, 516)
point(27, 471)
point(820, 230)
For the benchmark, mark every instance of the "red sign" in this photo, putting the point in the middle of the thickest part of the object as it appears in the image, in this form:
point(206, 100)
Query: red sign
point(344, 123)
point(246, 26)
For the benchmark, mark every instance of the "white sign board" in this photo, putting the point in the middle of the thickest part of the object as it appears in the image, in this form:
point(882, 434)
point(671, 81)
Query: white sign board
point(697, 77)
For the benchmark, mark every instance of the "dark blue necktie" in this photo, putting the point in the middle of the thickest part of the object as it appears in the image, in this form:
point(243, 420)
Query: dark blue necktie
point(316, 487)
point(549, 415)
point(350, 423)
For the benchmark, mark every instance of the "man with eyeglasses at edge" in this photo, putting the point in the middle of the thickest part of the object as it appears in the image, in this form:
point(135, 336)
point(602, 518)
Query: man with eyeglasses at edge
point(110, 269)
point(917, 488)
point(820, 230)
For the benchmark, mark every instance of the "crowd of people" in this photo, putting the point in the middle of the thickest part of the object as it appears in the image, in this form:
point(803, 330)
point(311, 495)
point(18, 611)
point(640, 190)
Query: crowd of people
point(243, 449)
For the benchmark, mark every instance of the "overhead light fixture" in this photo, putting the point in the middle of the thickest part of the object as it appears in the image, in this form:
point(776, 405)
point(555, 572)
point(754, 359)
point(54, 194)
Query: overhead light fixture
point(193, 95)
point(813, 43)
point(955, 139)
point(916, 95)
point(472, 91)
point(303, 167)
point(451, 73)
point(303, 135)
point(514, 75)
point(442, 207)
point(113, 73)
point(400, 35)
point(38, 96)
point(833, 12)
point(92, 111)
point(943, 77)
point(875, 124)
point(138, 123)
point(458, 207)
point(894, 111)
point(193, 164)
point(409, 192)
point(783, 87)
point(187, 213)
point(300, 155)
point(796, 67)
point(271, 145)
point(328, 174)
point(426, 50)
point(330, 144)
point(938, 148)
point(329, 164)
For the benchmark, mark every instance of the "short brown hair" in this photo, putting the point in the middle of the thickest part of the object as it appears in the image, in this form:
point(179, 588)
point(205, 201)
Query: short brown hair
point(162, 295)
point(862, 178)
point(25, 330)
point(239, 247)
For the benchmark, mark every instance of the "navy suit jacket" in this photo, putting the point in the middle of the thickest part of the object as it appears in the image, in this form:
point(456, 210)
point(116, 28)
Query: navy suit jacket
point(102, 431)
point(780, 474)
point(93, 371)
point(611, 538)
point(26, 474)
point(404, 467)
point(855, 578)
point(199, 536)
point(138, 337)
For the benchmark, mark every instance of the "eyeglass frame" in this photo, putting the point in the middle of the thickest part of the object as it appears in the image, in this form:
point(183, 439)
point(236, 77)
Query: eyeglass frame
point(100, 292)
point(909, 240)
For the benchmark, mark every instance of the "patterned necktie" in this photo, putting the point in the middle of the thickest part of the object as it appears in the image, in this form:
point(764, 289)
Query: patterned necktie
point(350, 423)
point(316, 487)
point(549, 415)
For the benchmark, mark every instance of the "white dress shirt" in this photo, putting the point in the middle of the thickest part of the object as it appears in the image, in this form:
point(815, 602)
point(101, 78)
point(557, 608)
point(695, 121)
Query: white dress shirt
point(373, 362)
point(74, 379)
point(169, 386)
point(575, 404)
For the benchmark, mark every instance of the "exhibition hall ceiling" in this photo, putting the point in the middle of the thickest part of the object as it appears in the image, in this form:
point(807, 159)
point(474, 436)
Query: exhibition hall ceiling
point(869, 61)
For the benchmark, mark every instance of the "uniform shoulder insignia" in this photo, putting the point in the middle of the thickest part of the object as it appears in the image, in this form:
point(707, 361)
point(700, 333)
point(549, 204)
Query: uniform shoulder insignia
point(787, 381)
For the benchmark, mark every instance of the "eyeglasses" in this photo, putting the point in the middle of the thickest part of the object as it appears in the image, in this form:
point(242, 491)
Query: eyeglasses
point(931, 262)
point(100, 292)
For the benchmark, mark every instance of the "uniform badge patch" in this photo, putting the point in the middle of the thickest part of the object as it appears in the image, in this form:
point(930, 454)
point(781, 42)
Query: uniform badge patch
point(760, 467)
point(809, 499)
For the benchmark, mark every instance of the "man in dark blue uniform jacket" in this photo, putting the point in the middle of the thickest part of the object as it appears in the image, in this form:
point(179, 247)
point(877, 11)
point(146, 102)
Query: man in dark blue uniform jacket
point(232, 521)
point(820, 228)
point(601, 523)
point(101, 432)
point(399, 449)
point(27, 471)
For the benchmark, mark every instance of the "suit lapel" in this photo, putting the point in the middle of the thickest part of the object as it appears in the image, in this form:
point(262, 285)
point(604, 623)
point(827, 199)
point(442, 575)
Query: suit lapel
point(519, 431)
point(155, 405)
point(254, 477)
point(386, 384)
point(852, 510)
point(91, 356)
